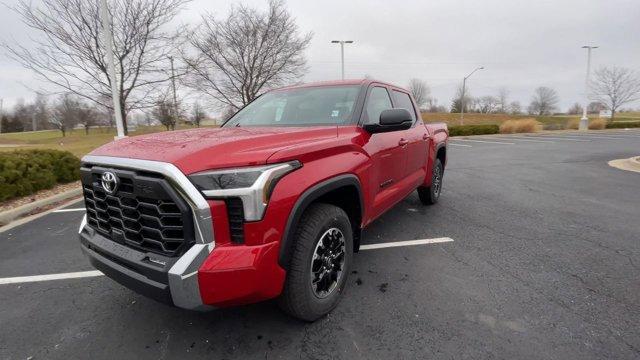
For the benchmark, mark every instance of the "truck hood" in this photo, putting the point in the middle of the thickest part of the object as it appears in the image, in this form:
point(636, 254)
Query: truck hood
point(212, 148)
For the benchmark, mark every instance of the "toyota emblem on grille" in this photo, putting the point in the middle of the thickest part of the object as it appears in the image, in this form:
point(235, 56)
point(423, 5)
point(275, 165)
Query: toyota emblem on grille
point(109, 182)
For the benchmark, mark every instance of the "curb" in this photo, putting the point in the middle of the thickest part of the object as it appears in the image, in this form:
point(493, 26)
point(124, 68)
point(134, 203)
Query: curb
point(630, 164)
point(8, 216)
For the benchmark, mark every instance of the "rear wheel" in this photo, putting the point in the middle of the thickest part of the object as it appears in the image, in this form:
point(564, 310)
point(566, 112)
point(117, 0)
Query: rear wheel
point(320, 263)
point(430, 195)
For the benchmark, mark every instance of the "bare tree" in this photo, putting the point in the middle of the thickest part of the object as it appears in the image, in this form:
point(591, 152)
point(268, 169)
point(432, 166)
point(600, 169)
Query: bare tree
point(595, 107)
point(503, 100)
point(544, 101)
point(197, 115)
point(22, 114)
point(236, 59)
point(87, 117)
point(487, 104)
point(420, 91)
point(515, 108)
point(575, 109)
point(65, 113)
point(433, 107)
point(456, 102)
point(69, 52)
point(614, 87)
point(163, 112)
point(41, 111)
point(227, 113)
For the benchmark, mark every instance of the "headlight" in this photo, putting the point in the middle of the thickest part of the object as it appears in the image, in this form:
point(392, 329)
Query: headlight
point(253, 185)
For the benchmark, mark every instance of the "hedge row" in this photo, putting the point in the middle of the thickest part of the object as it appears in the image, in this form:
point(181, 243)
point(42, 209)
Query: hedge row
point(23, 172)
point(622, 125)
point(465, 130)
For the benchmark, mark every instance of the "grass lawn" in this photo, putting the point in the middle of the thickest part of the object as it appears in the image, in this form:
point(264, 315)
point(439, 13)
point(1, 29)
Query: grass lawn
point(76, 141)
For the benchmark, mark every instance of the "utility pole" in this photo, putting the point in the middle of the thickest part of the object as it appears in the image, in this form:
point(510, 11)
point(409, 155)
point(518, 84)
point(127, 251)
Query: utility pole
point(584, 121)
point(342, 42)
point(175, 101)
point(464, 85)
point(111, 68)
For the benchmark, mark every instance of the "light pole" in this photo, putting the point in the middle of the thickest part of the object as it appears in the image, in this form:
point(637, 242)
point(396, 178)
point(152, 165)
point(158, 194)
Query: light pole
point(111, 68)
point(464, 85)
point(584, 122)
point(342, 42)
point(175, 101)
point(1, 113)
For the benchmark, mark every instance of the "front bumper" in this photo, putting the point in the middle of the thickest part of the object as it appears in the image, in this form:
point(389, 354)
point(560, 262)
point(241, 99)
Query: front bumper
point(173, 281)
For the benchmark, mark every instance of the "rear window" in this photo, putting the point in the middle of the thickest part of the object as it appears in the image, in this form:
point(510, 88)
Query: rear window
point(403, 101)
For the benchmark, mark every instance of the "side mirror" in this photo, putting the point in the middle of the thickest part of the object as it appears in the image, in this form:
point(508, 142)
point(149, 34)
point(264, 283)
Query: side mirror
point(391, 120)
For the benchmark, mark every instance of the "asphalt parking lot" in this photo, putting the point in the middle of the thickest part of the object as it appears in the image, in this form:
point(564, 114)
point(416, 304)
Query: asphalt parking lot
point(544, 263)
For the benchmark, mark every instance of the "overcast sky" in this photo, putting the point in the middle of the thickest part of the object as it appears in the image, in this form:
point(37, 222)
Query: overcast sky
point(522, 44)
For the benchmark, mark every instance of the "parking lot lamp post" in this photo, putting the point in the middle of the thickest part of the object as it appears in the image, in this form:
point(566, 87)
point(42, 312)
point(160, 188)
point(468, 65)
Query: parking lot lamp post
point(111, 68)
point(584, 121)
point(342, 42)
point(464, 85)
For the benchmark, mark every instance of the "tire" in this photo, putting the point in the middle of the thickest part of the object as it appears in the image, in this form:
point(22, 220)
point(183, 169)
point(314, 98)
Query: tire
point(302, 298)
point(430, 195)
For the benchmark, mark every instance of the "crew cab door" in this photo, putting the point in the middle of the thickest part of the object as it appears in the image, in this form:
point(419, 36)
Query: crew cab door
point(388, 153)
point(417, 137)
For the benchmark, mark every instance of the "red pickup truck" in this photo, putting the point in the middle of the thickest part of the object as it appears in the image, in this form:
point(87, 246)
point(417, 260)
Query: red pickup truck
point(270, 205)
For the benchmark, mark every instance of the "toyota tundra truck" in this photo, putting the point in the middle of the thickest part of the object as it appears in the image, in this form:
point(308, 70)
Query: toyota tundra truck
point(269, 205)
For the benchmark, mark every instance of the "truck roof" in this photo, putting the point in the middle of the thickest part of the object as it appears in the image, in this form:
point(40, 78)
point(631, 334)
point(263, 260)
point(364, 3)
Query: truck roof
point(363, 82)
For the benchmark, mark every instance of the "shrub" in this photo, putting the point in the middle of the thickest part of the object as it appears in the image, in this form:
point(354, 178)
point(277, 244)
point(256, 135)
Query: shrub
point(465, 130)
point(597, 124)
point(520, 126)
point(622, 125)
point(24, 172)
point(573, 123)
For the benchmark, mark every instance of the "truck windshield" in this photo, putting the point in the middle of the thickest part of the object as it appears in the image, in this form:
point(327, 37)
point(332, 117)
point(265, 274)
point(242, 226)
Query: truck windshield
point(326, 105)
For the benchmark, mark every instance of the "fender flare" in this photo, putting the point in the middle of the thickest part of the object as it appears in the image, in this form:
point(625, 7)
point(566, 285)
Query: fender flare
point(438, 147)
point(304, 200)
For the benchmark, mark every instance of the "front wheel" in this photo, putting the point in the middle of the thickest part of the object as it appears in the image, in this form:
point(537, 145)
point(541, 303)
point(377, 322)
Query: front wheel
point(320, 263)
point(430, 195)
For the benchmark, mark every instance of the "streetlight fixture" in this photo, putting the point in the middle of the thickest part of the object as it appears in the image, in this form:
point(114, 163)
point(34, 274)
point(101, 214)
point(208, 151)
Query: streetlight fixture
point(464, 85)
point(584, 121)
point(342, 42)
point(111, 68)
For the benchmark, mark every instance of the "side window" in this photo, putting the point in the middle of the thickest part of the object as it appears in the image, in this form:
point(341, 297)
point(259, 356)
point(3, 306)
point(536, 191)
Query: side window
point(378, 101)
point(403, 101)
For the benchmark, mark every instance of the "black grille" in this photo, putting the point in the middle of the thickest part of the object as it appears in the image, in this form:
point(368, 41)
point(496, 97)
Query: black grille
point(144, 212)
point(235, 213)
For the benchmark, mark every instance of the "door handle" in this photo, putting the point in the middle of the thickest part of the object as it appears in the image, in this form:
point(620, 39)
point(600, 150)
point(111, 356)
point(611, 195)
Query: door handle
point(403, 142)
point(425, 136)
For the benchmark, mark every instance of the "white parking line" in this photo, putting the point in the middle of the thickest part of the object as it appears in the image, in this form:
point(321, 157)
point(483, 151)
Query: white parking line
point(68, 210)
point(95, 273)
point(37, 278)
point(523, 139)
point(405, 243)
point(587, 136)
point(486, 142)
point(452, 144)
point(558, 138)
